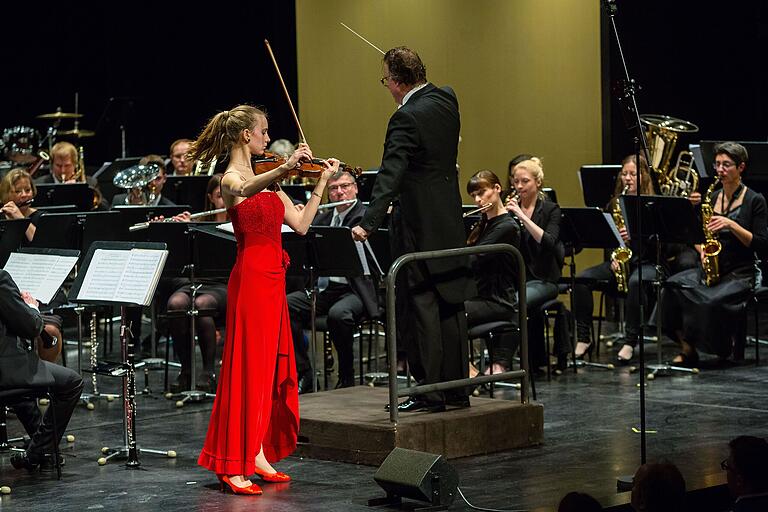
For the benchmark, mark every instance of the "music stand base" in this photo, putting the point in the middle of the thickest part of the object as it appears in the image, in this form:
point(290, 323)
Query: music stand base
point(86, 398)
point(194, 396)
point(662, 370)
point(580, 363)
point(133, 461)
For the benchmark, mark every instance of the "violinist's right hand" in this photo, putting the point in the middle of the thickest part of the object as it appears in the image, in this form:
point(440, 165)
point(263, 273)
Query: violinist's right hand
point(302, 154)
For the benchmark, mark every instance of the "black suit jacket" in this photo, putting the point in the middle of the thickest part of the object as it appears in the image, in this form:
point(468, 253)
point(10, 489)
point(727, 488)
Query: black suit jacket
point(19, 365)
point(361, 286)
point(544, 260)
point(419, 168)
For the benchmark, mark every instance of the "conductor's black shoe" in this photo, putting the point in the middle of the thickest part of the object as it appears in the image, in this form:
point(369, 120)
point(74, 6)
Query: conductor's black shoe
point(305, 382)
point(21, 460)
point(46, 463)
point(460, 402)
point(418, 405)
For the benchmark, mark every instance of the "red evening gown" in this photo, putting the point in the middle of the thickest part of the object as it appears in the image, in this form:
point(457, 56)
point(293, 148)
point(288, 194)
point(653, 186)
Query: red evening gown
point(257, 402)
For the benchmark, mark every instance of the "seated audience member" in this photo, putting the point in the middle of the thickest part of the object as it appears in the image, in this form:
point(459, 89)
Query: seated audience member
point(149, 195)
point(658, 487)
point(20, 367)
point(578, 502)
point(747, 472)
point(495, 273)
point(343, 301)
point(16, 191)
point(179, 163)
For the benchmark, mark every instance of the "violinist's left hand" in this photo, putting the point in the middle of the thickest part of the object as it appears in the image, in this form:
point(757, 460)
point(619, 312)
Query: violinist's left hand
point(359, 234)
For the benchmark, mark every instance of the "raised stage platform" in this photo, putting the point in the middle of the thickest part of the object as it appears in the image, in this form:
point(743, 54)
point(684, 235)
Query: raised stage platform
point(351, 425)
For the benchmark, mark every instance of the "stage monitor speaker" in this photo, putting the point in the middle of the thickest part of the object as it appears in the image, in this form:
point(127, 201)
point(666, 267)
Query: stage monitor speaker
point(417, 475)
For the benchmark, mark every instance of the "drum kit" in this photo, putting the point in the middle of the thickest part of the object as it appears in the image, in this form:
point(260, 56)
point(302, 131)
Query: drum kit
point(22, 145)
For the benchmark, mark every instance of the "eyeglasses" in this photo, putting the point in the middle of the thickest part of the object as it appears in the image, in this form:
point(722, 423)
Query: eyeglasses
point(341, 186)
point(384, 79)
point(725, 465)
point(724, 165)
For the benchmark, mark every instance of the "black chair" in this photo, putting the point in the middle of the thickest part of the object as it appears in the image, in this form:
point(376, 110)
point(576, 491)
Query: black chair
point(9, 397)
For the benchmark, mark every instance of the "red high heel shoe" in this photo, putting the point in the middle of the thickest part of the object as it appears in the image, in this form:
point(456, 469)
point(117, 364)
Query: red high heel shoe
point(225, 482)
point(277, 476)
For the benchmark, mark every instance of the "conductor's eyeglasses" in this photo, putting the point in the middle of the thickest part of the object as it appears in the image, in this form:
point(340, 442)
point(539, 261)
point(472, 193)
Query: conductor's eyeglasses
point(725, 165)
point(341, 186)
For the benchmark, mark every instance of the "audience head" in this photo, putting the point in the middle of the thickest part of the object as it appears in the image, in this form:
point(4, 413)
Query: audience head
point(63, 161)
point(579, 502)
point(342, 186)
point(243, 125)
point(628, 177)
point(282, 147)
point(179, 162)
point(747, 466)
point(17, 186)
point(658, 487)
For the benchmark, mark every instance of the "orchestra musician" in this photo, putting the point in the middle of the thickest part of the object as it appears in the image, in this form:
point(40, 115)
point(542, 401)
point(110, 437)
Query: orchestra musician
point(17, 193)
point(255, 417)
point(152, 193)
point(343, 301)
point(65, 169)
point(418, 176)
point(541, 248)
point(709, 318)
point(496, 274)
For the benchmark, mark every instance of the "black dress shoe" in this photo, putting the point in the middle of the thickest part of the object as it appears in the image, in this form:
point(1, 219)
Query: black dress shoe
point(460, 402)
point(21, 460)
point(417, 404)
point(46, 463)
point(305, 382)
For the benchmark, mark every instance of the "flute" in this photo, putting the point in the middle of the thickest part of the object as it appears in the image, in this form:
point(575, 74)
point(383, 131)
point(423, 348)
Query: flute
point(337, 203)
point(145, 225)
point(486, 206)
point(28, 202)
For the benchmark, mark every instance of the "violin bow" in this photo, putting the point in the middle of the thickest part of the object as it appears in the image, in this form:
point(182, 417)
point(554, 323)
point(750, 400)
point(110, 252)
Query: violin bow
point(285, 90)
point(361, 37)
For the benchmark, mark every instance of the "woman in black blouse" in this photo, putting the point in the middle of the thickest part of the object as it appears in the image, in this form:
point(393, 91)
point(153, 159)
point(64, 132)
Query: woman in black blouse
point(540, 245)
point(707, 318)
point(494, 272)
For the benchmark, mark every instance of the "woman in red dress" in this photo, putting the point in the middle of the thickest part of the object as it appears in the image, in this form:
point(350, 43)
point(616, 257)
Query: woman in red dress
point(255, 417)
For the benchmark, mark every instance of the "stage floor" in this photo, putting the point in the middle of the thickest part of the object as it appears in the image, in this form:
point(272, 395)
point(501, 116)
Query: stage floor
point(588, 441)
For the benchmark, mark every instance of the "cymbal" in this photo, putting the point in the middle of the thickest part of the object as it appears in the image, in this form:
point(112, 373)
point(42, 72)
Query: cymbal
point(77, 133)
point(59, 115)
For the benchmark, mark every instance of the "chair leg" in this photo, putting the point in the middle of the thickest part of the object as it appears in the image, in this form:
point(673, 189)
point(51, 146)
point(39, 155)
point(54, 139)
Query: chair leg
point(600, 320)
point(757, 332)
point(490, 362)
point(55, 440)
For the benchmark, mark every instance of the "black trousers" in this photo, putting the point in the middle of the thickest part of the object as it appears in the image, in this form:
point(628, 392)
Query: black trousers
point(344, 310)
point(480, 311)
point(67, 387)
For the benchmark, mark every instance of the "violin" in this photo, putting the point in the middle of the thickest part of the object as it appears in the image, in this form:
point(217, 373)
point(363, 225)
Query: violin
point(306, 169)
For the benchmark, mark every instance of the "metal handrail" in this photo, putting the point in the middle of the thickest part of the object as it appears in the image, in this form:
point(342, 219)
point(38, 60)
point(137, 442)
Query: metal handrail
point(391, 279)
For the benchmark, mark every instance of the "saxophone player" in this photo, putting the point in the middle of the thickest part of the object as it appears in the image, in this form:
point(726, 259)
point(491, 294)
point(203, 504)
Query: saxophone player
point(706, 318)
point(626, 182)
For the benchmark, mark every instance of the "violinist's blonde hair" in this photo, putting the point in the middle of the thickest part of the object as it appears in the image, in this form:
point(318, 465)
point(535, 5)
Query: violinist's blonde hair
point(223, 131)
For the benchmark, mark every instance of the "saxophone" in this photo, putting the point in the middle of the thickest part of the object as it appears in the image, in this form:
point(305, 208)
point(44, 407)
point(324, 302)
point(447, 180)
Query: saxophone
point(622, 255)
point(712, 246)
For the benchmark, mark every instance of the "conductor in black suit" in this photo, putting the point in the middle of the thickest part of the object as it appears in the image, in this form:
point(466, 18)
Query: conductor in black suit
point(418, 176)
point(20, 367)
point(345, 301)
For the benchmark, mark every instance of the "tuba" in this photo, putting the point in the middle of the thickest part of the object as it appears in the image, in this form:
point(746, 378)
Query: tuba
point(623, 254)
point(662, 133)
point(712, 246)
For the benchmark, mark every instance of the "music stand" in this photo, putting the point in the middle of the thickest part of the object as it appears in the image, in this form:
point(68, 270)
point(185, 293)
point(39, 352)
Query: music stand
point(598, 183)
point(58, 194)
point(665, 220)
point(324, 252)
point(582, 228)
point(190, 190)
point(12, 233)
point(122, 274)
point(365, 184)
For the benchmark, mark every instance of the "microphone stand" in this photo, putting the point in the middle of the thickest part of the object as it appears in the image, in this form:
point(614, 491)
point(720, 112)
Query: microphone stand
point(624, 483)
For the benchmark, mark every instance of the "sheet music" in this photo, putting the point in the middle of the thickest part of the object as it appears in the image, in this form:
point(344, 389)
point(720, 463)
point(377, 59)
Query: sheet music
point(614, 229)
point(39, 274)
point(227, 227)
point(123, 276)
